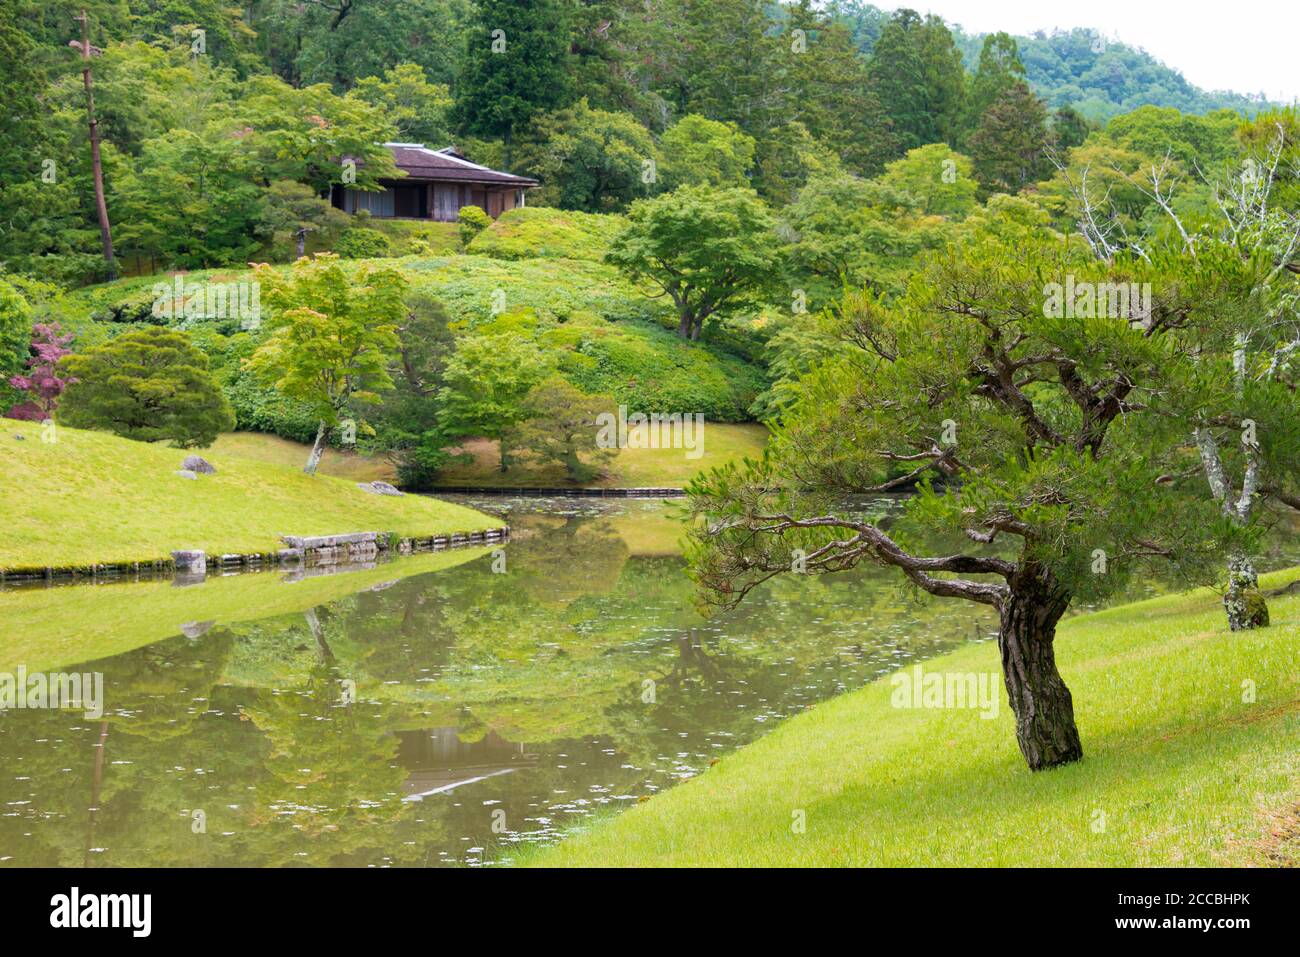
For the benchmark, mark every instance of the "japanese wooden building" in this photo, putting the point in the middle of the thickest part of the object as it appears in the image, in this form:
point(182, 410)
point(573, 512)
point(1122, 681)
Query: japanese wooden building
point(437, 184)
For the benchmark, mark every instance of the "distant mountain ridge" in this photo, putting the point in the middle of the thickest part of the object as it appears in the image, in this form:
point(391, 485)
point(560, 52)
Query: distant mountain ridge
point(1098, 76)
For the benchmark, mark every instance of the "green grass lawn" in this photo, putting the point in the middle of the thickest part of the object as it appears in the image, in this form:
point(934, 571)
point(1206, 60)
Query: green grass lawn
point(92, 497)
point(632, 468)
point(1178, 768)
point(261, 447)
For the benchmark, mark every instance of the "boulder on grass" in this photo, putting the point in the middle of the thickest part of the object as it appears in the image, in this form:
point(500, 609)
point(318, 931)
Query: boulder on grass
point(379, 488)
point(198, 465)
point(191, 560)
point(186, 474)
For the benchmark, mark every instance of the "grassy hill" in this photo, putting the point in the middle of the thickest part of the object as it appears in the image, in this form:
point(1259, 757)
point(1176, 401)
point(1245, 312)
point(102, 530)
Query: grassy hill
point(1181, 767)
point(540, 232)
point(92, 497)
point(634, 468)
point(261, 447)
point(543, 267)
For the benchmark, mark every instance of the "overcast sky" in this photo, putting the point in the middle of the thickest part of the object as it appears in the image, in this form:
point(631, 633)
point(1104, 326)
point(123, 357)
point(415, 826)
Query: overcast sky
point(1244, 46)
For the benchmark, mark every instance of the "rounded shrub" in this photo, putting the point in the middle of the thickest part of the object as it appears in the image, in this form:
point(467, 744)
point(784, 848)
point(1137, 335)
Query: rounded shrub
point(361, 242)
point(473, 221)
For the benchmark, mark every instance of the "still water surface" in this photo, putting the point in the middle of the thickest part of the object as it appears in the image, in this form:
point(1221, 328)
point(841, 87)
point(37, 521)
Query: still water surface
point(500, 701)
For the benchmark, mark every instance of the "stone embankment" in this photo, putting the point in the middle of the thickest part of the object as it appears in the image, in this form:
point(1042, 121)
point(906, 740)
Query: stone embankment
point(299, 550)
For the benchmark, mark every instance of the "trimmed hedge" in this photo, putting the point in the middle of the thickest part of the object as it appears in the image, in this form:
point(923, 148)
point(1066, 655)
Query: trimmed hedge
point(539, 232)
point(361, 242)
point(649, 369)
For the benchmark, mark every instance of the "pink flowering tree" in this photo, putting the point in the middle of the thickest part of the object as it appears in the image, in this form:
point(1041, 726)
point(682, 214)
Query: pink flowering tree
point(42, 383)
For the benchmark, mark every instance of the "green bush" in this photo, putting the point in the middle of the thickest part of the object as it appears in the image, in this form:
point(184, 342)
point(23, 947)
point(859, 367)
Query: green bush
point(555, 289)
point(362, 242)
point(473, 221)
point(258, 409)
point(648, 369)
point(539, 232)
point(149, 384)
point(15, 330)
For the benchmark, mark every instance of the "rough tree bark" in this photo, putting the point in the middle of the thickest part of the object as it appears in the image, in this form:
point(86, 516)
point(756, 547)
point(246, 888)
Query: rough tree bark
point(317, 449)
point(1030, 601)
point(1243, 601)
point(1040, 700)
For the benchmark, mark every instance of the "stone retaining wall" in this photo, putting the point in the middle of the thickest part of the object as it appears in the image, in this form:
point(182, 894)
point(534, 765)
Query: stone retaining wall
point(647, 492)
point(299, 551)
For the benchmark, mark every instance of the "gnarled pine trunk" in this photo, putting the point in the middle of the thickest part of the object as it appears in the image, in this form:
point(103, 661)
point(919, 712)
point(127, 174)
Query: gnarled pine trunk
point(1244, 602)
point(1044, 710)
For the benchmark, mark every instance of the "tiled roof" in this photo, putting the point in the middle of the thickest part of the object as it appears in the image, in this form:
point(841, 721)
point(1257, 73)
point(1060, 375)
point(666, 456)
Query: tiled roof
point(420, 162)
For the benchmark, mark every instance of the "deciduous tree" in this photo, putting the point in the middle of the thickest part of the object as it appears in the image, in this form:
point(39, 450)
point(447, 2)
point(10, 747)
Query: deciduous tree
point(703, 152)
point(562, 428)
point(333, 334)
point(487, 382)
point(41, 384)
point(706, 249)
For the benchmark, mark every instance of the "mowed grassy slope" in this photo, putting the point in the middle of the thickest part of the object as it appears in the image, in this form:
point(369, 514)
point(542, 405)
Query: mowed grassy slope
point(263, 447)
point(92, 497)
point(1178, 768)
point(631, 468)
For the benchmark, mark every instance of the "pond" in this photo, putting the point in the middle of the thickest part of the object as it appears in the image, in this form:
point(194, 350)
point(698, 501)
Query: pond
point(439, 709)
point(435, 710)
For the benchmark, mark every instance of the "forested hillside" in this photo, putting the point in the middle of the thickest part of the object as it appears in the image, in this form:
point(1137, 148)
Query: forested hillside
point(707, 185)
point(1090, 70)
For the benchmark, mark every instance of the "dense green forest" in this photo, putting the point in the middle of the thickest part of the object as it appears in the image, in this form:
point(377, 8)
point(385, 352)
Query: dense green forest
point(1096, 74)
point(713, 177)
point(246, 101)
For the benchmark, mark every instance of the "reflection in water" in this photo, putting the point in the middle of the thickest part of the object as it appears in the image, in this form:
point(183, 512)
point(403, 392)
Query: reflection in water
point(437, 718)
point(440, 761)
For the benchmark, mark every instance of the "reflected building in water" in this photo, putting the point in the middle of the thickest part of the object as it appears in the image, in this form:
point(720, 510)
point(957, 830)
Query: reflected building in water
point(439, 761)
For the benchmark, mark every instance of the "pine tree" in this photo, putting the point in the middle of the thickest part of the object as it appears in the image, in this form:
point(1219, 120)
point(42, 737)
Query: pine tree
point(896, 75)
point(829, 94)
point(515, 65)
point(1009, 146)
point(945, 81)
point(999, 68)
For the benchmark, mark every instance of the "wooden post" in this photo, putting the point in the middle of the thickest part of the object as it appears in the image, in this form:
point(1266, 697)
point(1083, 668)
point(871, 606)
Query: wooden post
point(105, 231)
